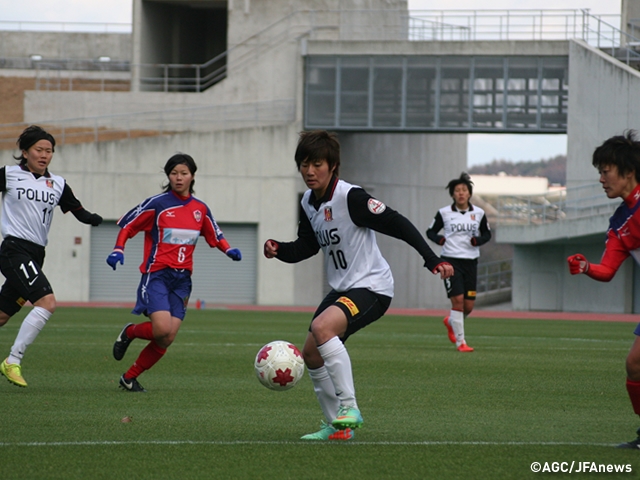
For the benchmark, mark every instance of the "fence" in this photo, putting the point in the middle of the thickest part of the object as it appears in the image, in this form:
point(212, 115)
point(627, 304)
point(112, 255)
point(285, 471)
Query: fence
point(381, 25)
point(494, 276)
point(570, 204)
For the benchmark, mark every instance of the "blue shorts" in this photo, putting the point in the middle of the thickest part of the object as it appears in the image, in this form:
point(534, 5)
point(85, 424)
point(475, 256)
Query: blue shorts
point(637, 330)
point(164, 290)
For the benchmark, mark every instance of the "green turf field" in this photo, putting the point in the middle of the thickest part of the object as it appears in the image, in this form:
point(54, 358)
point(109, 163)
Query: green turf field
point(533, 391)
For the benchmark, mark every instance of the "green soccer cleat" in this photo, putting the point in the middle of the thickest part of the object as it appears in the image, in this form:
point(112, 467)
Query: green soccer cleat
point(348, 417)
point(13, 372)
point(327, 432)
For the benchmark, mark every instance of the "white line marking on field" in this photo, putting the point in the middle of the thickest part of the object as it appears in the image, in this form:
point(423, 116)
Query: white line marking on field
point(259, 442)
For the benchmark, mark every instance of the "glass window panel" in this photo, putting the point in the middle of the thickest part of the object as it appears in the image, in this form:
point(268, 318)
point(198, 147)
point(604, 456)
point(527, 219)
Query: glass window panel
point(420, 101)
point(354, 92)
point(387, 92)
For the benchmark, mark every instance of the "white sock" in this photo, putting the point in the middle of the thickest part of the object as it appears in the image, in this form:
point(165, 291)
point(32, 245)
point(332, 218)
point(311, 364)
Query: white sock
point(456, 320)
point(338, 365)
point(325, 391)
point(29, 330)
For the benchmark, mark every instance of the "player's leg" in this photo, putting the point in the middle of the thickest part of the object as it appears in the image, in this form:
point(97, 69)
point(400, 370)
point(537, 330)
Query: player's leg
point(325, 393)
point(351, 311)
point(322, 384)
point(633, 384)
point(454, 321)
point(165, 299)
point(25, 279)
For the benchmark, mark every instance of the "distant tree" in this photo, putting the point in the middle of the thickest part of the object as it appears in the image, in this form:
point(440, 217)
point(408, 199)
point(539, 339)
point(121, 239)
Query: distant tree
point(555, 169)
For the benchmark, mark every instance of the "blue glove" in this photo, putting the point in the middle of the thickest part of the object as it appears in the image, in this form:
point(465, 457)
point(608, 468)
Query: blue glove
point(115, 257)
point(234, 254)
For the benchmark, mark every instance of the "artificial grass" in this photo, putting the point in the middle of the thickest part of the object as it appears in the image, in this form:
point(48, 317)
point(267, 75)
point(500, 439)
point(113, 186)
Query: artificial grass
point(534, 390)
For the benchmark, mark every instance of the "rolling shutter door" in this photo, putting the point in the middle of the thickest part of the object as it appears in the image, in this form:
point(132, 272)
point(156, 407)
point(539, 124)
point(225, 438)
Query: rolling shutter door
point(216, 278)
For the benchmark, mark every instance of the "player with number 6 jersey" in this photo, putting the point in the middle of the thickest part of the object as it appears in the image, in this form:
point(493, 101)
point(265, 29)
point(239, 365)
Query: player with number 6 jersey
point(341, 219)
point(172, 222)
point(30, 193)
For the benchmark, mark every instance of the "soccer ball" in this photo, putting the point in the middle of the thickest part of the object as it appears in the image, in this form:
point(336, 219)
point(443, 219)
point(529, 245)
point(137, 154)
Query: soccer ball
point(279, 365)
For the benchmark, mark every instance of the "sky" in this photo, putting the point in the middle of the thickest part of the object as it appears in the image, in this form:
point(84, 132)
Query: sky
point(482, 148)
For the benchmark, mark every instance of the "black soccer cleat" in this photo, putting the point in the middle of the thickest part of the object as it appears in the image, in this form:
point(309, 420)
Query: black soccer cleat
point(131, 385)
point(633, 444)
point(122, 343)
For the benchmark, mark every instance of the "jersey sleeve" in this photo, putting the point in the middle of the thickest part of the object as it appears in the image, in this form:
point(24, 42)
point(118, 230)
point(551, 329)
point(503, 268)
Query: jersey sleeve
point(68, 201)
point(138, 219)
point(614, 254)
point(366, 211)
point(437, 224)
point(485, 232)
point(213, 234)
point(305, 246)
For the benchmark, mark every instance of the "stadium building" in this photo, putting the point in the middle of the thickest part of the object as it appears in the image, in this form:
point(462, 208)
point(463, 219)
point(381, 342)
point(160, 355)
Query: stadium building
point(233, 82)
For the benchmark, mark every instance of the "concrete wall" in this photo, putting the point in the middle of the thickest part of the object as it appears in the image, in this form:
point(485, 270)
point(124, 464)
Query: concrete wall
point(408, 172)
point(59, 45)
point(245, 176)
point(603, 101)
point(541, 280)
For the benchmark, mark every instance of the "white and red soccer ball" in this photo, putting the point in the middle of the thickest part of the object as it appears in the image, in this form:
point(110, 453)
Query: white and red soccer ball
point(279, 365)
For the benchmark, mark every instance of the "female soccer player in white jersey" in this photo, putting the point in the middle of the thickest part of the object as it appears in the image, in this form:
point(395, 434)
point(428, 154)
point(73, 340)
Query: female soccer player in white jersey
point(340, 219)
point(172, 223)
point(30, 192)
point(465, 229)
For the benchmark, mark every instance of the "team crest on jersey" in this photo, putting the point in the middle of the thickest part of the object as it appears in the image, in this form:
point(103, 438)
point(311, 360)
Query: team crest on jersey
point(328, 214)
point(197, 215)
point(49, 183)
point(473, 217)
point(376, 206)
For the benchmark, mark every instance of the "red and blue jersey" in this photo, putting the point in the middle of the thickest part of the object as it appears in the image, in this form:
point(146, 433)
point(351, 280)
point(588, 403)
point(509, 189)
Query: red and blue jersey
point(171, 226)
point(623, 238)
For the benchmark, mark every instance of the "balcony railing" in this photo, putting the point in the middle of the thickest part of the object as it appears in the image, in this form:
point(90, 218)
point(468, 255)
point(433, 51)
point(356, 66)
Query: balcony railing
point(570, 204)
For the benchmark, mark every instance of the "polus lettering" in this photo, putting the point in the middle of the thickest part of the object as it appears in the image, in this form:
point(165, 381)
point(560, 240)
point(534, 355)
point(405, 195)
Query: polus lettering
point(36, 195)
point(327, 237)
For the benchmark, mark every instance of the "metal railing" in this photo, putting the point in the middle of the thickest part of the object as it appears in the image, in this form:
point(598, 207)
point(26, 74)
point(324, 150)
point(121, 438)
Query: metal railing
point(43, 26)
point(386, 25)
point(494, 276)
point(570, 204)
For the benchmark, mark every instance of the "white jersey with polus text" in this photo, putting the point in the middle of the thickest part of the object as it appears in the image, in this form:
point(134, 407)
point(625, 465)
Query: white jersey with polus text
point(459, 228)
point(28, 203)
point(351, 255)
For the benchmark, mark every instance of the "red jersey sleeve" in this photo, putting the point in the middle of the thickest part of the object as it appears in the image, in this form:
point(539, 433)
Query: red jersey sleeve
point(212, 233)
point(614, 254)
point(143, 222)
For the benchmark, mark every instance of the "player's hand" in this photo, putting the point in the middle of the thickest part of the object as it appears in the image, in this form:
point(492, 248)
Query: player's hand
point(444, 269)
point(117, 256)
point(95, 220)
point(234, 254)
point(270, 248)
point(578, 264)
point(474, 241)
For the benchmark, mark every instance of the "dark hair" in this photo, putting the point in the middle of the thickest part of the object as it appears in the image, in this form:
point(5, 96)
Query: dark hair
point(465, 179)
point(29, 137)
point(319, 145)
point(623, 151)
point(180, 159)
